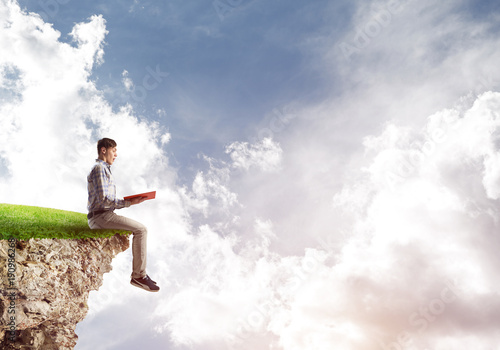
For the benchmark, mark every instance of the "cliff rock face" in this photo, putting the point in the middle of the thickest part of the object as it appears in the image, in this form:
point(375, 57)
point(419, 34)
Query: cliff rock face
point(45, 284)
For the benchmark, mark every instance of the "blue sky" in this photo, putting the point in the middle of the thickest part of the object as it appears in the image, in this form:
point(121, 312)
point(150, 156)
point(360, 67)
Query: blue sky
point(327, 172)
point(230, 72)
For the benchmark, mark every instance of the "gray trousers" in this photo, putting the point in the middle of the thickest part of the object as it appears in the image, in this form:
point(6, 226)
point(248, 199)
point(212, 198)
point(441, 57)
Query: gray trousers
point(110, 220)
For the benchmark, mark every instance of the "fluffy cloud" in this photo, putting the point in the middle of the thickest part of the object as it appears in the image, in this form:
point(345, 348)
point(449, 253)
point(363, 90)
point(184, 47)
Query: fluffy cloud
point(56, 114)
point(52, 114)
point(265, 155)
point(421, 251)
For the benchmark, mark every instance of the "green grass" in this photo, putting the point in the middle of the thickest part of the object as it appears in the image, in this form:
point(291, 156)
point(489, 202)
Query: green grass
point(25, 222)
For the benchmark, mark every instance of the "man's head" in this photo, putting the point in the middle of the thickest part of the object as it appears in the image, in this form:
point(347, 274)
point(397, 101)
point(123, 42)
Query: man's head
point(106, 150)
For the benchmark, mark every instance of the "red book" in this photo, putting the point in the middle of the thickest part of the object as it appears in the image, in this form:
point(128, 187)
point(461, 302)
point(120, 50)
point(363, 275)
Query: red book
point(148, 195)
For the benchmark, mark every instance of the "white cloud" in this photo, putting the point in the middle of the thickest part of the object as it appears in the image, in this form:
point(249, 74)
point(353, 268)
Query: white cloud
point(210, 193)
point(51, 128)
point(127, 82)
point(51, 131)
point(265, 155)
point(48, 85)
point(90, 38)
point(419, 225)
point(166, 138)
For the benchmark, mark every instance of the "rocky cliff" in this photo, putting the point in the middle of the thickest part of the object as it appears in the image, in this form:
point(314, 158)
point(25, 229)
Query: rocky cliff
point(45, 285)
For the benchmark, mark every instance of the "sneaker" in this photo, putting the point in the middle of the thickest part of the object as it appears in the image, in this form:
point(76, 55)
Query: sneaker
point(145, 283)
point(151, 279)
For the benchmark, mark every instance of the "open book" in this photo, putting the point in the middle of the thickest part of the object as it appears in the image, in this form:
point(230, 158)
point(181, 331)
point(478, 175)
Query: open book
point(148, 195)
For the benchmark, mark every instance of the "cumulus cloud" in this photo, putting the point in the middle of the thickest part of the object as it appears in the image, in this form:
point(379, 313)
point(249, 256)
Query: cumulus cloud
point(50, 123)
point(418, 252)
point(51, 116)
point(210, 193)
point(56, 114)
point(429, 201)
point(90, 38)
point(127, 82)
point(266, 155)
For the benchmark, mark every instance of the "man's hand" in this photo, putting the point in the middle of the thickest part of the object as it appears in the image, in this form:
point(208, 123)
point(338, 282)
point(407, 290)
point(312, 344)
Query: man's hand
point(137, 200)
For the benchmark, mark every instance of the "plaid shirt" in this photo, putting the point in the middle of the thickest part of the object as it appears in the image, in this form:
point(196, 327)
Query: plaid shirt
point(102, 189)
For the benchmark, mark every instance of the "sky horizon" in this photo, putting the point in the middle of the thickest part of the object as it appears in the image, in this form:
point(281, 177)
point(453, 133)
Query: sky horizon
point(327, 173)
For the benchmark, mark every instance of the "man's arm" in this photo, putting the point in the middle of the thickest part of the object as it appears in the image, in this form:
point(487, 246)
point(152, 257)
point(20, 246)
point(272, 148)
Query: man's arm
point(106, 193)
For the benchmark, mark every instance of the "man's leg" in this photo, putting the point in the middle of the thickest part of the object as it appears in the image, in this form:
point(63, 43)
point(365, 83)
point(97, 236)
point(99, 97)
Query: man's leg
point(110, 220)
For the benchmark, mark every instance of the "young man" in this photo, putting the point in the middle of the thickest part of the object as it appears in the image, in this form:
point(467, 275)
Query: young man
point(101, 205)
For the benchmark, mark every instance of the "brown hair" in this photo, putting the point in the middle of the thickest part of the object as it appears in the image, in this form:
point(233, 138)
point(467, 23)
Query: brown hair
point(106, 143)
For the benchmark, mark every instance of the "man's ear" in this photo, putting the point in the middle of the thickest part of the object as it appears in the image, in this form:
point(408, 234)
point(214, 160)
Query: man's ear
point(103, 150)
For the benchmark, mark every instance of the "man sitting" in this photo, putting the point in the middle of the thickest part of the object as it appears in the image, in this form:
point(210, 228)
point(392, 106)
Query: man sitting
point(101, 204)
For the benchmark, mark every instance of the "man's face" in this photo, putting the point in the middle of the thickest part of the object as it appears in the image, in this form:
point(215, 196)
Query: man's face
point(109, 155)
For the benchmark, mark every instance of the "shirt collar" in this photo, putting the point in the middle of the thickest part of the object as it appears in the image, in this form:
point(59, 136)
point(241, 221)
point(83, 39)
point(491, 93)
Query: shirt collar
point(103, 163)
